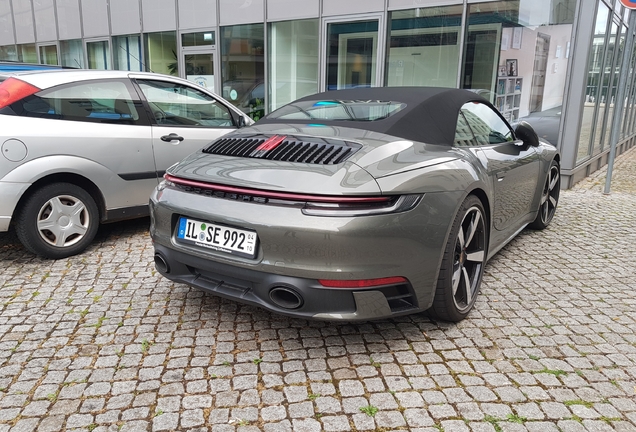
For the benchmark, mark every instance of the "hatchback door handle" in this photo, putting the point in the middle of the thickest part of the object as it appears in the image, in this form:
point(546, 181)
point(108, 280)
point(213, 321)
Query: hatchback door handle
point(171, 137)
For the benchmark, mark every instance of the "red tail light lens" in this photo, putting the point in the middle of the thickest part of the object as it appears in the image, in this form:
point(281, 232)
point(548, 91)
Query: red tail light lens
point(12, 90)
point(363, 283)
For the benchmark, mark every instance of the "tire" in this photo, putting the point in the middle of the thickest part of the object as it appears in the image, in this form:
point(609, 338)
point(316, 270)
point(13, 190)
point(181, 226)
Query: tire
point(57, 221)
point(463, 263)
point(549, 198)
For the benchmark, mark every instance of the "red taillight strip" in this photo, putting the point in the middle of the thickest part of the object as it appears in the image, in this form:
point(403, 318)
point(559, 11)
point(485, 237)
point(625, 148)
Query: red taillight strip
point(363, 283)
point(12, 90)
point(277, 195)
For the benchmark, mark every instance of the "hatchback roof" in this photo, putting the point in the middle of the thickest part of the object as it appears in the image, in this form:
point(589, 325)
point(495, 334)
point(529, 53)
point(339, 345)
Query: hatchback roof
point(49, 78)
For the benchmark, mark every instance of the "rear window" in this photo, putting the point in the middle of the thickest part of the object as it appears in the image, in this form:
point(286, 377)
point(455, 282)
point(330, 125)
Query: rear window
point(92, 101)
point(354, 110)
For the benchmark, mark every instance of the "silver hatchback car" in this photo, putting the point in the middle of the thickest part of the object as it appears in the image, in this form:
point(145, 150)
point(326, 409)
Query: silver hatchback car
point(81, 147)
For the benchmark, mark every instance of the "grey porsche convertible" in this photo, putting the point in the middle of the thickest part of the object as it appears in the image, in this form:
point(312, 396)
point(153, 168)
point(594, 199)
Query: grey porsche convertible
point(355, 204)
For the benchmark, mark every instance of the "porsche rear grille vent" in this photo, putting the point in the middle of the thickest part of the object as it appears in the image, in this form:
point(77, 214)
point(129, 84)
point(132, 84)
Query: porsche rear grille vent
point(285, 149)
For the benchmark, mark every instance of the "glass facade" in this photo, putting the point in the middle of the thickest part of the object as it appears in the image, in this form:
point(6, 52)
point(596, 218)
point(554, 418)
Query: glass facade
point(98, 54)
point(72, 53)
point(9, 53)
point(161, 53)
point(243, 67)
point(127, 53)
point(27, 53)
point(595, 75)
point(293, 61)
point(418, 36)
point(352, 54)
point(521, 55)
point(515, 55)
point(48, 54)
point(197, 39)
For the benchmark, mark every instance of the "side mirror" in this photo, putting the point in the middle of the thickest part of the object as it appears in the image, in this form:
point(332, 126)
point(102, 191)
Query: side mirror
point(526, 133)
point(240, 122)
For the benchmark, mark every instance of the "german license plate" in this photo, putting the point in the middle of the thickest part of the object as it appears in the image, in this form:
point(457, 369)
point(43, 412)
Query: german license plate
point(216, 237)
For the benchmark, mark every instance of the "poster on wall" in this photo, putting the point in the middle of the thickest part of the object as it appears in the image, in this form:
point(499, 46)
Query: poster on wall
point(516, 37)
point(511, 67)
point(505, 39)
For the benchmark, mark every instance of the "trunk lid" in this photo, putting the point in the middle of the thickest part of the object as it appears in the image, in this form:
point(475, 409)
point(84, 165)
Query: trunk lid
point(313, 159)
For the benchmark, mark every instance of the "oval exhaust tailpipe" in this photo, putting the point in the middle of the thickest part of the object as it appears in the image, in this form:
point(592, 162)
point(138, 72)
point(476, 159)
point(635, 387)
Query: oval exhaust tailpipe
point(285, 298)
point(161, 265)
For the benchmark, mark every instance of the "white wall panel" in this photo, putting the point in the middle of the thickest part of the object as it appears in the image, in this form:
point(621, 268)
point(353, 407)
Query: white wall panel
point(23, 16)
point(241, 11)
point(95, 18)
point(280, 10)
point(197, 14)
point(6, 24)
point(124, 17)
point(68, 19)
point(341, 7)
point(45, 28)
point(159, 15)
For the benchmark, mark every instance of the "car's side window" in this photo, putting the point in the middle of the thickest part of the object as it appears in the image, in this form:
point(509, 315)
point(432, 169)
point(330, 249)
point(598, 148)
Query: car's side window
point(463, 134)
point(98, 101)
point(178, 104)
point(486, 124)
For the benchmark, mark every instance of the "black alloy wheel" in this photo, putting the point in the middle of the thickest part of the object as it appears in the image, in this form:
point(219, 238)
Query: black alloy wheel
point(549, 198)
point(463, 263)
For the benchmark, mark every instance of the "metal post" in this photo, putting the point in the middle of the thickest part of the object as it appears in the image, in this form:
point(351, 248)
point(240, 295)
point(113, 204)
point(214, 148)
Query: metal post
point(619, 102)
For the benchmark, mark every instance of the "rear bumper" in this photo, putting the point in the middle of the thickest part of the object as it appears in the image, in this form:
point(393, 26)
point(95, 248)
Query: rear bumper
point(296, 250)
point(269, 291)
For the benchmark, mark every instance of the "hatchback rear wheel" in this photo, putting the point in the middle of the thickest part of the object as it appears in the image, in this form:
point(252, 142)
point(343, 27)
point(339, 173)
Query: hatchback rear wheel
point(57, 221)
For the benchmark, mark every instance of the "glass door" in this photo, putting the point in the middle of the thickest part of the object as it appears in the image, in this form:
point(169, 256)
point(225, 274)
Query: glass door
point(199, 68)
point(351, 52)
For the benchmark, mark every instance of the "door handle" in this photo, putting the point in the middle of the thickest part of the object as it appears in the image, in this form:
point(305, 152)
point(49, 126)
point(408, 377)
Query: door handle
point(172, 137)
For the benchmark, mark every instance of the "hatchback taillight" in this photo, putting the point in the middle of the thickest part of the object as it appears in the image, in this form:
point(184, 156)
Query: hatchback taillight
point(12, 90)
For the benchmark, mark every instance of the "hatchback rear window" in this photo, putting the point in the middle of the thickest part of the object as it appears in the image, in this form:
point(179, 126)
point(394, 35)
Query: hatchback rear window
point(354, 110)
point(94, 101)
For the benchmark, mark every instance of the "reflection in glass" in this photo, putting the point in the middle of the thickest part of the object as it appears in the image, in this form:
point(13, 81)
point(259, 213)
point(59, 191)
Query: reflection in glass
point(161, 53)
point(243, 68)
point(197, 39)
point(338, 110)
point(628, 114)
point(352, 54)
point(127, 53)
point(200, 69)
point(9, 53)
point(293, 62)
point(48, 54)
point(608, 91)
point(27, 53)
point(516, 55)
point(424, 47)
point(98, 55)
point(594, 74)
point(72, 53)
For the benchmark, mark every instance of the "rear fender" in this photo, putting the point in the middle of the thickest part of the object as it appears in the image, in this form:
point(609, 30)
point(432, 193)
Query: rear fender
point(116, 192)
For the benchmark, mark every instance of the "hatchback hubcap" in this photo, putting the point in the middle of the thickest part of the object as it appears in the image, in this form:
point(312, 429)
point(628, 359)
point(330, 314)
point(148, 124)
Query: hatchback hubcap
point(63, 221)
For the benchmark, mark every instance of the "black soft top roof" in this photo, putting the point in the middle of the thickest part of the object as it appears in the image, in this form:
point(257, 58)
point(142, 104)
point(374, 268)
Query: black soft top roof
point(430, 115)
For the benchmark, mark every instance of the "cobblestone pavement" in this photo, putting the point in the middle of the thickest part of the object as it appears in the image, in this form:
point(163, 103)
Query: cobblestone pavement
point(99, 342)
